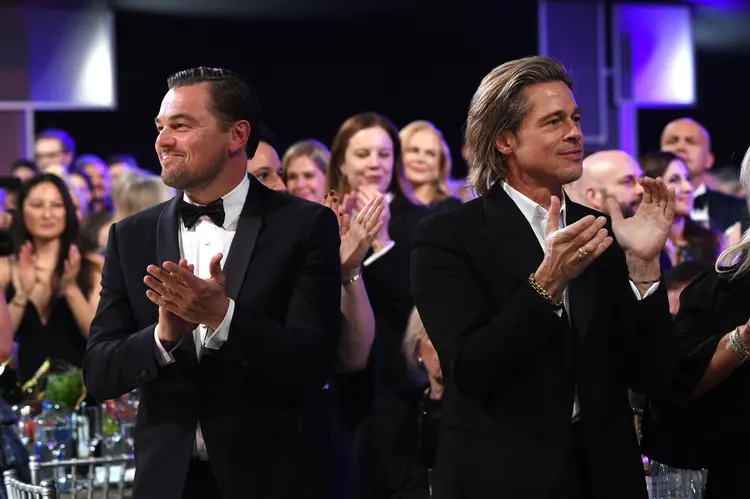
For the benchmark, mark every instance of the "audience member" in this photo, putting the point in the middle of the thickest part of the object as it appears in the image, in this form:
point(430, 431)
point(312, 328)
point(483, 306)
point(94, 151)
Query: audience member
point(690, 140)
point(54, 147)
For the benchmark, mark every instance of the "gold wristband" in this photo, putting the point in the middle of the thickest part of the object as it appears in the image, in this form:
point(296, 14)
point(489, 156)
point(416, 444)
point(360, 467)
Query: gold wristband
point(557, 304)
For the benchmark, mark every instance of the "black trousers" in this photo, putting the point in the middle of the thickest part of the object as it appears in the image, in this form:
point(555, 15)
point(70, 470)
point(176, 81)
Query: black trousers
point(200, 482)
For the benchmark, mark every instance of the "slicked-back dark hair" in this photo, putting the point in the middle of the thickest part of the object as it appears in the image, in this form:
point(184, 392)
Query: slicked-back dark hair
point(232, 99)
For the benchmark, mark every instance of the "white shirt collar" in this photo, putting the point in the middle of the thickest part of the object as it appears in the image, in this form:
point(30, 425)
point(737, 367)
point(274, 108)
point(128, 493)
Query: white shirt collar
point(233, 201)
point(532, 211)
point(700, 190)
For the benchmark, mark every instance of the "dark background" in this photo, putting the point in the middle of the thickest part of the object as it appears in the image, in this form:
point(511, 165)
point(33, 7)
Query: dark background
point(313, 70)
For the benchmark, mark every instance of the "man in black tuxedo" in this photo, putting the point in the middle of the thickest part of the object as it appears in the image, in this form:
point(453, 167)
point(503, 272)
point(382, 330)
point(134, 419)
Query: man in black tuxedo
point(690, 140)
point(233, 328)
point(528, 303)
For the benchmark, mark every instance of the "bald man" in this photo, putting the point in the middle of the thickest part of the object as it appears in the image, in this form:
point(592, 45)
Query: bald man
point(608, 174)
point(691, 141)
point(265, 165)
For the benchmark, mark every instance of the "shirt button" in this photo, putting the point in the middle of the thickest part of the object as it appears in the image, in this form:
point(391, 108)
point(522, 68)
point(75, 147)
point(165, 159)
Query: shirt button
point(207, 242)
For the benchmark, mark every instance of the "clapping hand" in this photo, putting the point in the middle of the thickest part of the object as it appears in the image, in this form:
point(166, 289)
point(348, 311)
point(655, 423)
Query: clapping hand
point(357, 234)
point(569, 250)
point(361, 197)
point(25, 274)
point(71, 268)
point(177, 290)
point(643, 235)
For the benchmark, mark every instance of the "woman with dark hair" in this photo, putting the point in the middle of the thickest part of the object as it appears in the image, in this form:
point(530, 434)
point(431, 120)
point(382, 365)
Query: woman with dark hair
point(688, 239)
point(52, 289)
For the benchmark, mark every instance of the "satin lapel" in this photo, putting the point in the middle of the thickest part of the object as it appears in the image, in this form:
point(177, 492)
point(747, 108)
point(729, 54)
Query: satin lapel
point(509, 233)
point(168, 249)
point(584, 289)
point(243, 244)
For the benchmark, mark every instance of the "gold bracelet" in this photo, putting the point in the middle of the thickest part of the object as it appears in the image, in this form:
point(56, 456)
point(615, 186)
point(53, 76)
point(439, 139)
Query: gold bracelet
point(557, 304)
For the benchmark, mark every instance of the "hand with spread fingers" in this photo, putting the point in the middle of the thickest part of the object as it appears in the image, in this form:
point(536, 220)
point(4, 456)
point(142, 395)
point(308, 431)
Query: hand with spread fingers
point(363, 195)
point(570, 250)
point(643, 235)
point(357, 234)
point(177, 290)
point(71, 268)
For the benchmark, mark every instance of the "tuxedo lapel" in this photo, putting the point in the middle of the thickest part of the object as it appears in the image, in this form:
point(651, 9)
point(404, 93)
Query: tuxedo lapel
point(243, 244)
point(168, 249)
point(509, 233)
point(584, 289)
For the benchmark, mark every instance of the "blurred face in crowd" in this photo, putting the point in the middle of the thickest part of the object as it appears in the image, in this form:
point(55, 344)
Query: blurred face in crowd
point(23, 173)
point(265, 165)
point(81, 187)
point(101, 183)
point(422, 155)
point(368, 160)
point(548, 147)
point(304, 179)
point(677, 175)
point(192, 145)
point(689, 140)
point(50, 152)
point(611, 174)
point(116, 170)
point(44, 212)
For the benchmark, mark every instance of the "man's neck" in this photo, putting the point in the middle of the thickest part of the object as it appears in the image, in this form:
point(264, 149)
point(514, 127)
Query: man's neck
point(230, 177)
point(697, 180)
point(540, 194)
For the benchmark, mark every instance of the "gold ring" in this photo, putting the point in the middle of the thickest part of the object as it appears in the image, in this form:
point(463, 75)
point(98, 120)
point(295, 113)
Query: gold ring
point(582, 254)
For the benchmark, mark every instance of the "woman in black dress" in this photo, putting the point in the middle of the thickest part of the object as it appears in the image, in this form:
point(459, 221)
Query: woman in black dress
point(52, 289)
point(713, 330)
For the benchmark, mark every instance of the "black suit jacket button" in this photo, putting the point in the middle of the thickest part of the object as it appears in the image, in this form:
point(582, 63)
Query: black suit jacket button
point(143, 375)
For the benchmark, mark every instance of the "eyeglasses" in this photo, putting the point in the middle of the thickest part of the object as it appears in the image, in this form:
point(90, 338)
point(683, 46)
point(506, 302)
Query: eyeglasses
point(48, 155)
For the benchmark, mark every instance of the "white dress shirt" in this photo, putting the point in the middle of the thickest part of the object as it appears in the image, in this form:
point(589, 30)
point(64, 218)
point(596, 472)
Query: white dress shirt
point(700, 215)
point(537, 218)
point(198, 245)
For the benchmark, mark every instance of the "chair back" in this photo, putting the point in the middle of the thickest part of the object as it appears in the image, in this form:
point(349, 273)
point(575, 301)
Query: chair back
point(100, 476)
point(16, 489)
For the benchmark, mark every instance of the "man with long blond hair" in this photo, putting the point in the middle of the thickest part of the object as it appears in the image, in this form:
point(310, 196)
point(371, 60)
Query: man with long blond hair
point(541, 318)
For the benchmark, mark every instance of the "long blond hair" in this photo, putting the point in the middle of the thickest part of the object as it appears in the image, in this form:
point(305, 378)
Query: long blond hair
point(733, 261)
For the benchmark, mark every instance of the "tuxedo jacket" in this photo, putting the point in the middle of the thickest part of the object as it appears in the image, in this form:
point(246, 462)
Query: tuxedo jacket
point(250, 396)
point(512, 366)
point(724, 210)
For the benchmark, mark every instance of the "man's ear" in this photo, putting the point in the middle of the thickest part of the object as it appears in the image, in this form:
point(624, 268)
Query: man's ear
point(505, 142)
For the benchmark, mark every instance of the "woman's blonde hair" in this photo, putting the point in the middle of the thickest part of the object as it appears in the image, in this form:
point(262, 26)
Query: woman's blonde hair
point(733, 261)
point(444, 165)
point(415, 333)
point(316, 151)
point(136, 191)
point(499, 105)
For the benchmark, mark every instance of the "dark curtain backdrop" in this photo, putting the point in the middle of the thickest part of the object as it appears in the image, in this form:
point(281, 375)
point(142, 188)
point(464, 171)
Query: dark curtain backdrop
point(311, 74)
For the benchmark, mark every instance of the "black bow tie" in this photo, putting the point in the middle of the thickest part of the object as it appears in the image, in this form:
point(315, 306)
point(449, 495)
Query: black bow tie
point(700, 202)
point(191, 213)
